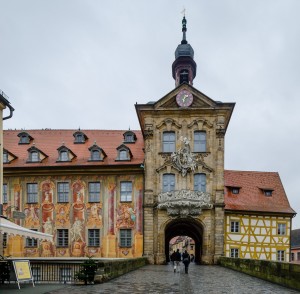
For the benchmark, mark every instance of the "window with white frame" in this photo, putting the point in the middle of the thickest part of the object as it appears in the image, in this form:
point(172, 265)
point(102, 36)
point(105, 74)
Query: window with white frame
point(94, 192)
point(32, 193)
point(200, 182)
point(298, 255)
point(94, 237)
point(281, 229)
point(126, 191)
point(34, 156)
point(168, 182)
point(79, 138)
point(63, 155)
point(199, 141)
point(63, 192)
point(31, 242)
point(24, 138)
point(234, 226)
point(125, 238)
point(5, 157)
point(280, 255)
point(4, 193)
point(62, 237)
point(95, 154)
point(168, 142)
point(123, 155)
point(234, 252)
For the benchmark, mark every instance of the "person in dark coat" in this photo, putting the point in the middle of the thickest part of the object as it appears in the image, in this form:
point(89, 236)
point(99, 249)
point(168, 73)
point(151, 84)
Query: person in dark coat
point(173, 257)
point(186, 259)
point(177, 260)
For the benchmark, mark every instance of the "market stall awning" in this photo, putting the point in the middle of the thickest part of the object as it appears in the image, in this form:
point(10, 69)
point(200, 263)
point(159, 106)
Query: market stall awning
point(11, 228)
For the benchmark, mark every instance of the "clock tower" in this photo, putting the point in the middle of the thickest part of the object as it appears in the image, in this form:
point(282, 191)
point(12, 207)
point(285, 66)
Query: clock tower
point(184, 67)
point(184, 165)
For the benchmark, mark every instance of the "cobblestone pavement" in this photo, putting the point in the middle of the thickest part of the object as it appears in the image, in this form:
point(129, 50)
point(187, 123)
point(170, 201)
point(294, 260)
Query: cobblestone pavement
point(162, 279)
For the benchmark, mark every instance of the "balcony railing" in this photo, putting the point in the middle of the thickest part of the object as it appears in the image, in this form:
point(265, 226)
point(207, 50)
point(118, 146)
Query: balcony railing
point(184, 202)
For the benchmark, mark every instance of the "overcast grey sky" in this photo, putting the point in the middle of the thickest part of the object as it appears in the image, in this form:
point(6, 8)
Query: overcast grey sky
point(67, 64)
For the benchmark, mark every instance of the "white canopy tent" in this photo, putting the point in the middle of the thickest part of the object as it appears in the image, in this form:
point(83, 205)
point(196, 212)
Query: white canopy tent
point(11, 228)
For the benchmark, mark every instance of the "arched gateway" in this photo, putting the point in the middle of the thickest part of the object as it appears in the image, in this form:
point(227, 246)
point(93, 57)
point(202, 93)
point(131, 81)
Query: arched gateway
point(185, 227)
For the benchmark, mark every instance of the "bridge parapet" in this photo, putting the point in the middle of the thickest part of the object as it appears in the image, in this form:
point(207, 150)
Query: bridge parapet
point(184, 202)
point(282, 273)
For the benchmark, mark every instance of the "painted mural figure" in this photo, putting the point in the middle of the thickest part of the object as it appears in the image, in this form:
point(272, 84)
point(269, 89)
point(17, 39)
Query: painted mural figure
point(76, 230)
point(48, 227)
point(32, 218)
point(126, 216)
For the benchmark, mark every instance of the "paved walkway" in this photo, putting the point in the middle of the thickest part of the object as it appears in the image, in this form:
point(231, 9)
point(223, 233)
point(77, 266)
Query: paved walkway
point(162, 279)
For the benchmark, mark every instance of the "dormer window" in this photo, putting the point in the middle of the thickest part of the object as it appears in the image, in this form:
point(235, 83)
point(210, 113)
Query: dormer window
point(124, 153)
point(129, 137)
point(65, 154)
point(235, 190)
point(80, 138)
point(35, 155)
point(8, 157)
point(268, 192)
point(97, 154)
point(25, 138)
point(5, 157)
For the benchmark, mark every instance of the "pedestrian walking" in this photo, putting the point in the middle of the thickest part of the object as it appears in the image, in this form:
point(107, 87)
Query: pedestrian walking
point(177, 260)
point(186, 259)
point(173, 257)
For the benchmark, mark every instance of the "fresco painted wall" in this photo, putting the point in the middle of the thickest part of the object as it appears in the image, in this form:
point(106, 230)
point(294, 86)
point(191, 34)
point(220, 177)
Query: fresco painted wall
point(77, 216)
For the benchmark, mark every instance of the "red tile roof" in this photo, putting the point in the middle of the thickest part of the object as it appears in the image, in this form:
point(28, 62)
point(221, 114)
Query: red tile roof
point(48, 141)
point(251, 196)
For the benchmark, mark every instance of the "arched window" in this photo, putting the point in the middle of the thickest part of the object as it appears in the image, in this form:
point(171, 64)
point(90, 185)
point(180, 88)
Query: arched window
point(200, 182)
point(184, 76)
point(95, 155)
point(34, 156)
point(123, 155)
point(168, 182)
point(199, 141)
point(63, 155)
point(168, 142)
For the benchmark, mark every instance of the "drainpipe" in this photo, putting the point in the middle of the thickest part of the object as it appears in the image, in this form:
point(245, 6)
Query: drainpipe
point(3, 104)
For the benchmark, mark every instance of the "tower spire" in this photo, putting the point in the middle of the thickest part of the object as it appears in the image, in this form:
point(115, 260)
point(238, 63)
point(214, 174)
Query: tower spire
point(184, 41)
point(184, 67)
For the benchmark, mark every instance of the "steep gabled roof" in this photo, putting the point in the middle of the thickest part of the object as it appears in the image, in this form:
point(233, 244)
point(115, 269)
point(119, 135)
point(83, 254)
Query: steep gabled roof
point(48, 141)
point(251, 195)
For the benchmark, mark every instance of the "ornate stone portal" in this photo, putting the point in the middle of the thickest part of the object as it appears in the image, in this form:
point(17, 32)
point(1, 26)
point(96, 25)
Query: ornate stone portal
point(184, 202)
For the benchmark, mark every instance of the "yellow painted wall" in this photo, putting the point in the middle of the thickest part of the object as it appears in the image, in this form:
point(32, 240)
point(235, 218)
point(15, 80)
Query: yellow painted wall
point(257, 237)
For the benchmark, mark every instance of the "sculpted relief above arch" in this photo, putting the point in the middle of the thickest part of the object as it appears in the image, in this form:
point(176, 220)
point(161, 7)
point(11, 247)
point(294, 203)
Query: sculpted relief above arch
point(184, 160)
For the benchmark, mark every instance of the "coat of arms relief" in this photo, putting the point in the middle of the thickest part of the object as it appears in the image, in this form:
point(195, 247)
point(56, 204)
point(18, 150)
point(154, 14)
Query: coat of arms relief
point(185, 202)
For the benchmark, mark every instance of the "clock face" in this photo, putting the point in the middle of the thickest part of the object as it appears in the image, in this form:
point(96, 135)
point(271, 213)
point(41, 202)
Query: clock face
point(184, 98)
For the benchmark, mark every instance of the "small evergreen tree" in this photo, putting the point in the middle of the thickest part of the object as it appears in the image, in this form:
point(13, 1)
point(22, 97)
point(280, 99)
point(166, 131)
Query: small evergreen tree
point(87, 272)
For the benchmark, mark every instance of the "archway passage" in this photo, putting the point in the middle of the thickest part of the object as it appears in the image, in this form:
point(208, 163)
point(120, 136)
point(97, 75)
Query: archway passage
point(185, 227)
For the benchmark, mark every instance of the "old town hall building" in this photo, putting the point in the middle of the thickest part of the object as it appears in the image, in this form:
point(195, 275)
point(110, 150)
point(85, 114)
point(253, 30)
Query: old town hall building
point(127, 193)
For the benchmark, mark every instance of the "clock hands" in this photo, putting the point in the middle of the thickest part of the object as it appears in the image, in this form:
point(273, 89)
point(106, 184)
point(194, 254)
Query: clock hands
point(184, 97)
